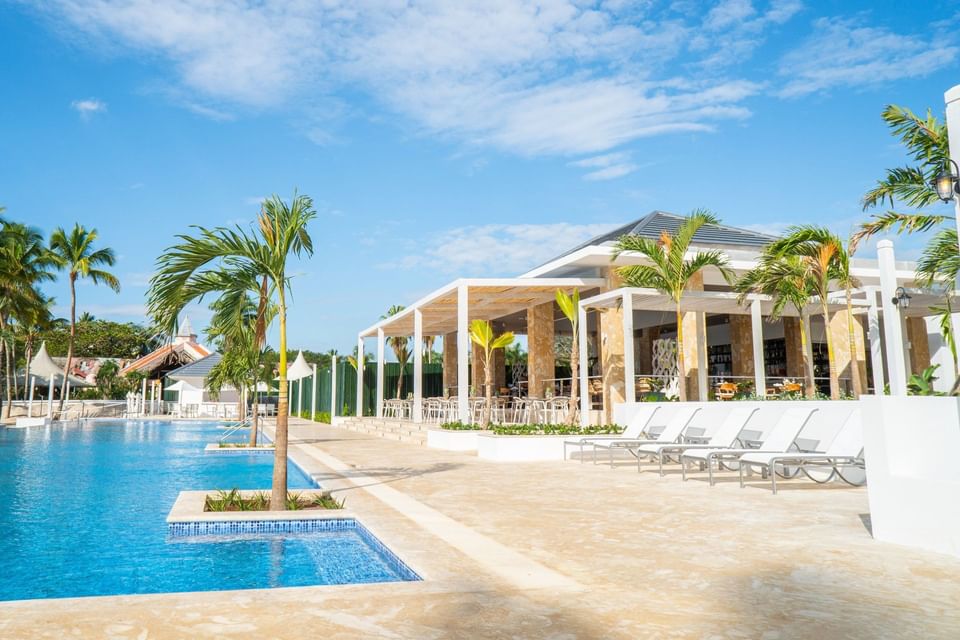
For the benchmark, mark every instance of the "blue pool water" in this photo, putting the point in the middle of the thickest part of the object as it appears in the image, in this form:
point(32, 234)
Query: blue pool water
point(83, 512)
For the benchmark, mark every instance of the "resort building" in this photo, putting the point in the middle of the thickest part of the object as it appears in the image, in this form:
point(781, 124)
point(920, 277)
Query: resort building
point(182, 349)
point(628, 336)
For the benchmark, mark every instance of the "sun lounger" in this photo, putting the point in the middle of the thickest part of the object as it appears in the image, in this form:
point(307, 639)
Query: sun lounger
point(636, 428)
point(846, 450)
point(725, 436)
point(780, 438)
point(678, 422)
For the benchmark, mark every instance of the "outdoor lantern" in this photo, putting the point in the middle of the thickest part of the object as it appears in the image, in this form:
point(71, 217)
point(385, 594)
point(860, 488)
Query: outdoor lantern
point(946, 184)
point(902, 298)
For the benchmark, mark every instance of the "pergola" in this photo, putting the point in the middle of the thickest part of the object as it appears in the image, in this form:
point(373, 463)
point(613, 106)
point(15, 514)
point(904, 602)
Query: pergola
point(450, 309)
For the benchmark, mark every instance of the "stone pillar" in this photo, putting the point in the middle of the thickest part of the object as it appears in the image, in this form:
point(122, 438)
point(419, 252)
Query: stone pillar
point(791, 334)
point(840, 334)
point(450, 363)
point(692, 325)
point(540, 354)
point(645, 350)
point(919, 346)
point(476, 369)
point(611, 351)
point(741, 345)
point(498, 362)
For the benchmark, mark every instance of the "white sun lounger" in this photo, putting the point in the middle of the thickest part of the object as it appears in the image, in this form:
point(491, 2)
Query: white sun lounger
point(636, 427)
point(846, 450)
point(671, 433)
point(725, 436)
point(784, 432)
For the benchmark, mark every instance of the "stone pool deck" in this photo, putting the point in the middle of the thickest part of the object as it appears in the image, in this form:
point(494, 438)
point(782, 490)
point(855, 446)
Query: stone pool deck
point(560, 550)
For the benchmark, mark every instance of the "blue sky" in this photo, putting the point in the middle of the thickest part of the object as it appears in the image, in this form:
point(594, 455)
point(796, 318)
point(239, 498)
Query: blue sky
point(448, 139)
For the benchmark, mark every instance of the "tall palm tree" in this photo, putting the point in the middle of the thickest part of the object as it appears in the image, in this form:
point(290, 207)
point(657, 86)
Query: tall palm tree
point(787, 281)
point(33, 319)
point(570, 307)
point(670, 269)
point(74, 253)
point(400, 346)
point(825, 259)
point(481, 334)
point(192, 269)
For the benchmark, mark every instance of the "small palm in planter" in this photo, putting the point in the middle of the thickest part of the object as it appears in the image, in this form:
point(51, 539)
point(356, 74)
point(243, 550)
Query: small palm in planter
point(481, 334)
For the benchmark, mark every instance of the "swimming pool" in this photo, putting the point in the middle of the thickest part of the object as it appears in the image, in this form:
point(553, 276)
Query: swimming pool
point(83, 512)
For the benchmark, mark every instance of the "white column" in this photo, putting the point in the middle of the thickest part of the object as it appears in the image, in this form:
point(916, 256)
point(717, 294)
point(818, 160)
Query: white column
point(143, 396)
point(952, 98)
point(50, 397)
point(359, 410)
point(417, 365)
point(702, 378)
point(629, 359)
point(805, 320)
point(313, 395)
point(892, 328)
point(756, 331)
point(876, 345)
point(585, 405)
point(33, 382)
point(290, 397)
point(380, 355)
point(300, 396)
point(333, 387)
point(463, 357)
point(153, 398)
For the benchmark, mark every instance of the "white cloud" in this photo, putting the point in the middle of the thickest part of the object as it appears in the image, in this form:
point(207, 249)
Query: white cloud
point(498, 249)
point(607, 166)
point(88, 107)
point(844, 53)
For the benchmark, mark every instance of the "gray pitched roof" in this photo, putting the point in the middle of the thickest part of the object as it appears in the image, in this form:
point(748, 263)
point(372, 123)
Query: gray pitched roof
point(199, 369)
point(655, 222)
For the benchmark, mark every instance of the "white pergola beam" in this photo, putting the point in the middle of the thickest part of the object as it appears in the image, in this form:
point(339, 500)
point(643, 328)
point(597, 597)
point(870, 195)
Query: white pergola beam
point(756, 331)
point(417, 366)
point(892, 327)
point(876, 344)
point(585, 404)
point(360, 365)
point(629, 360)
point(314, 388)
point(333, 387)
point(381, 351)
point(463, 357)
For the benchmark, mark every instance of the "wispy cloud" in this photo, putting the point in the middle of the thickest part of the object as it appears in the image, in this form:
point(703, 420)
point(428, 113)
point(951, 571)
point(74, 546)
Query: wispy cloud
point(607, 166)
point(847, 53)
point(496, 249)
point(88, 107)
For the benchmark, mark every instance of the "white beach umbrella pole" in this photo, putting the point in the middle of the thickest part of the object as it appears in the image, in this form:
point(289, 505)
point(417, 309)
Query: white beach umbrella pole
point(30, 406)
point(50, 398)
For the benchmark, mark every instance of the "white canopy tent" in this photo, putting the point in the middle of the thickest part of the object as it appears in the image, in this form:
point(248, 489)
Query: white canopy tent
point(43, 366)
point(297, 371)
point(186, 392)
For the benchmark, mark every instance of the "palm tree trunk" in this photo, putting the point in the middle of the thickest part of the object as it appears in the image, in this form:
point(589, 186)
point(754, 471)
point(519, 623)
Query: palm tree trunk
point(73, 333)
point(400, 381)
point(278, 493)
point(681, 365)
point(809, 386)
point(834, 378)
point(8, 383)
point(488, 382)
point(854, 360)
point(574, 377)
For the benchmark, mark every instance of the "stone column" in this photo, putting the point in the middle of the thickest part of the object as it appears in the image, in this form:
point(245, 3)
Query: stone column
point(741, 345)
point(791, 334)
point(840, 334)
point(919, 346)
point(692, 325)
point(645, 350)
point(450, 363)
point(611, 350)
point(540, 354)
point(476, 370)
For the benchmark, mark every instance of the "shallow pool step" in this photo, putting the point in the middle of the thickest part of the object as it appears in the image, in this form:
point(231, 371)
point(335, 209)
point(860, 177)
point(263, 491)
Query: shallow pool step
point(398, 430)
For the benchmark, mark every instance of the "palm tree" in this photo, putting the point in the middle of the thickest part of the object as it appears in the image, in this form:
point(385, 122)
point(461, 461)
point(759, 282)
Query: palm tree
point(75, 254)
point(481, 333)
point(400, 346)
point(671, 270)
point(570, 306)
point(787, 281)
point(825, 259)
point(32, 320)
point(428, 342)
point(86, 316)
point(193, 268)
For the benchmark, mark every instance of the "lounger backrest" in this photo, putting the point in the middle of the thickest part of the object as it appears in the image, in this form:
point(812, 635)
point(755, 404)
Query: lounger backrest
point(731, 426)
point(677, 423)
point(788, 427)
point(849, 440)
point(640, 421)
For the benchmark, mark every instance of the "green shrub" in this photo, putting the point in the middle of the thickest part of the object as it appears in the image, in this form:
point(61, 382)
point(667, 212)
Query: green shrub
point(461, 426)
point(555, 429)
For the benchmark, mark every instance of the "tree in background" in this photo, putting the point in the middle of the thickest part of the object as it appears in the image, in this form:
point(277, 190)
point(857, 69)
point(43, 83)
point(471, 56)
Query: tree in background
point(670, 271)
point(74, 253)
point(400, 345)
point(481, 334)
point(107, 378)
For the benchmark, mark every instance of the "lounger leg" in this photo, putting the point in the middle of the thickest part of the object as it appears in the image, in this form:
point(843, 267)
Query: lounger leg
point(683, 468)
point(661, 464)
point(741, 475)
point(773, 477)
point(710, 470)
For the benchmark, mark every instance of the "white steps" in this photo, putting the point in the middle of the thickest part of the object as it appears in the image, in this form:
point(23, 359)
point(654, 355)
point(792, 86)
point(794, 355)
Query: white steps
point(390, 429)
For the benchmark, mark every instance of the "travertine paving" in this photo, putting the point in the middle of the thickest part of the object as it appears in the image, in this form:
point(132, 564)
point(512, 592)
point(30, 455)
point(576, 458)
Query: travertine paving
point(560, 550)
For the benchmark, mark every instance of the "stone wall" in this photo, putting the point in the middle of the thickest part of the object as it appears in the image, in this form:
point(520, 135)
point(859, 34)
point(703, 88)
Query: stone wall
point(741, 345)
point(540, 350)
point(840, 335)
point(450, 362)
point(611, 350)
point(919, 345)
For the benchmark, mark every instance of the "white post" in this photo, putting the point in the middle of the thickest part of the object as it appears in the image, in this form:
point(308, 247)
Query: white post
point(952, 98)
point(892, 328)
point(143, 397)
point(50, 398)
point(417, 365)
point(463, 357)
point(759, 367)
point(805, 321)
point(380, 355)
point(33, 382)
point(66, 397)
point(333, 387)
point(876, 345)
point(289, 397)
point(153, 398)
point(314, 387)
point(702, 377)
point(300, 396)
point(359, 410)
point(629, 361)
point(585, 405)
